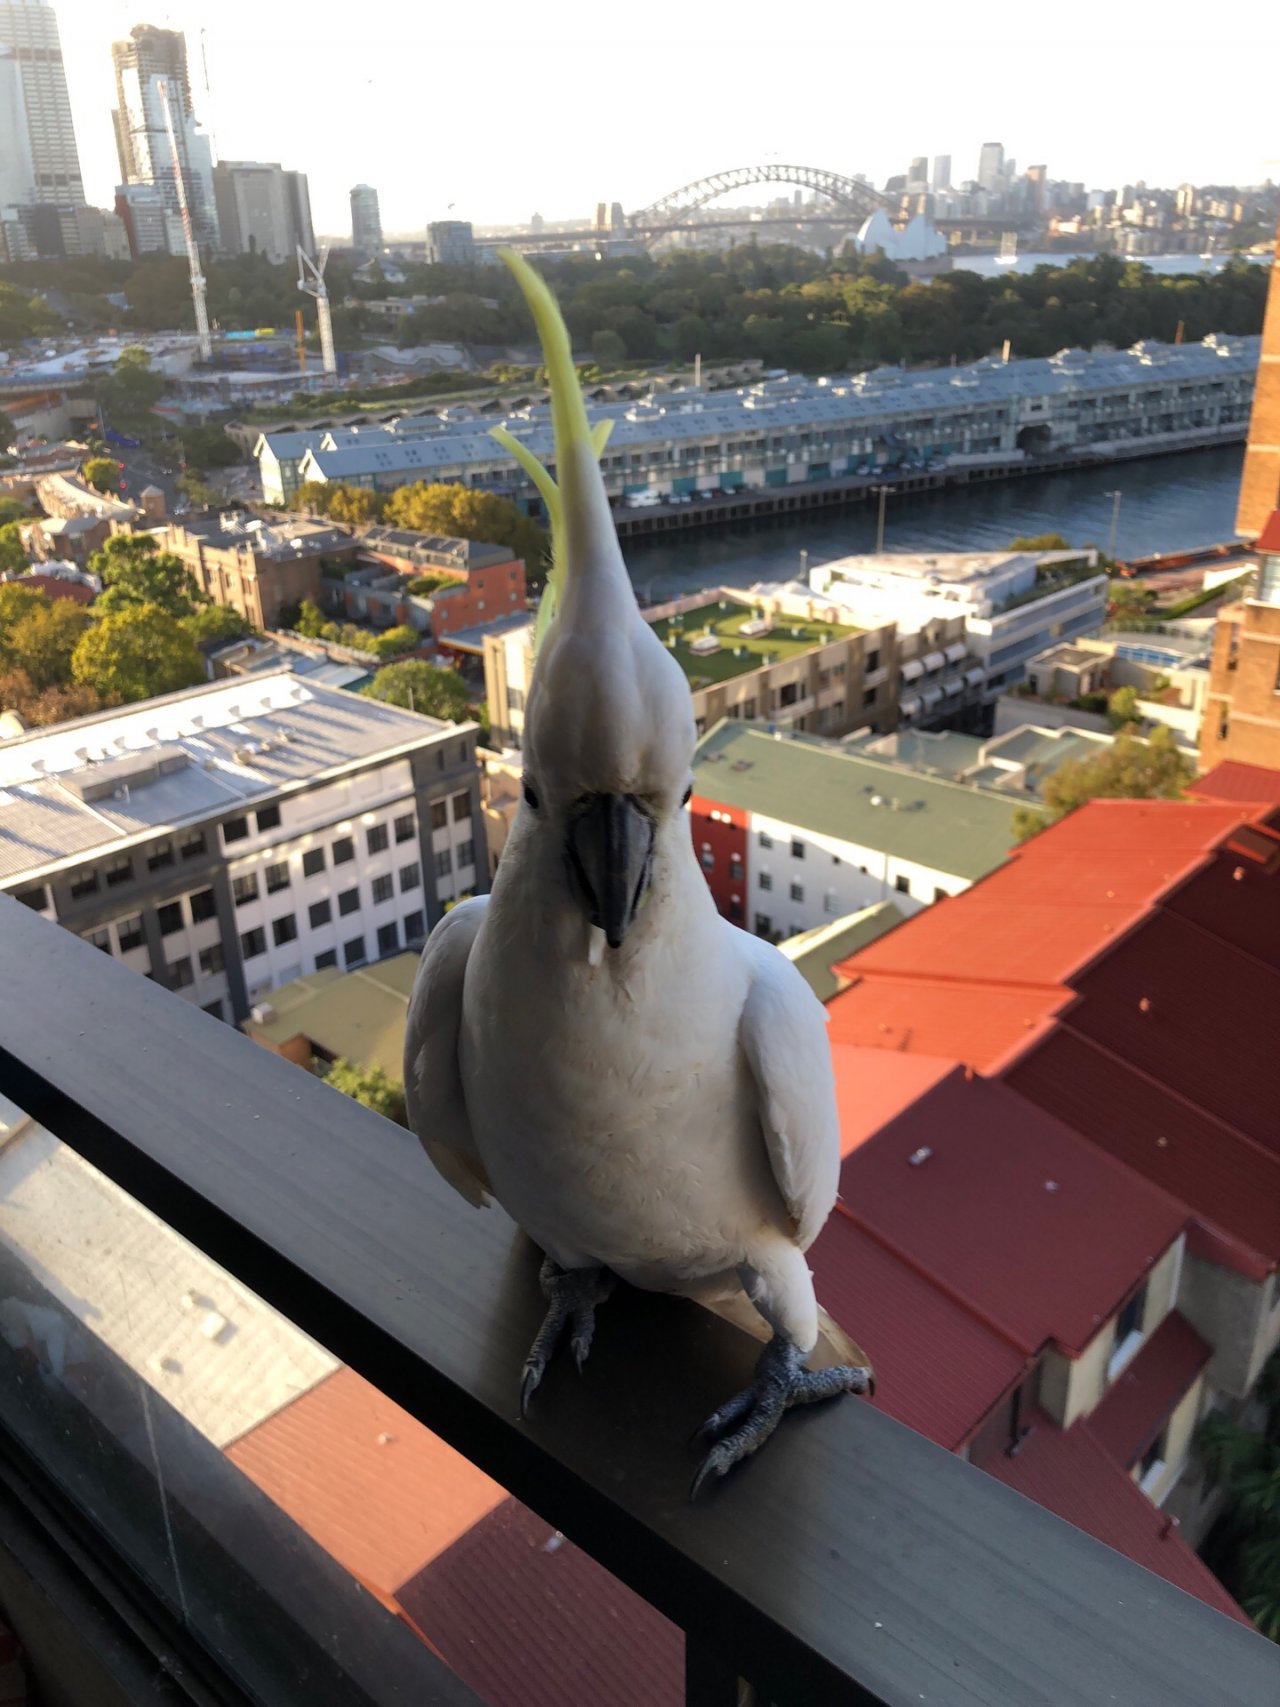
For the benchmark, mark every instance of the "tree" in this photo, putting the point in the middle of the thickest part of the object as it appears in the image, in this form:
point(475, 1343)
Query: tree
point(353, 505)
point(1039, 542)
point(1122, 708)
point(16, 602)
point(10, 509)
point(1243, 1547)
point(1130, 769)
point(136, 572)
point(42, 640)
point(395, 640)
point(197, 489)
point(311, 622)
point(424, 688)
point(608, 347)
point(460, 512)
point(135, 653)
point(216, 624)
point(133, 388)
point(39, 707)
point(102, 473)
point(372, 1086)
point(13, 554)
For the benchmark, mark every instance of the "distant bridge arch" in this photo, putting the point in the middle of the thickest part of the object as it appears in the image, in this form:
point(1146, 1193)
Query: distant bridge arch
point(668, 213)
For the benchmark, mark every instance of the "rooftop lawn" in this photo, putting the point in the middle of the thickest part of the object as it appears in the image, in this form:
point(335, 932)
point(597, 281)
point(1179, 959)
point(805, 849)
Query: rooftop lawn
point(789, 636)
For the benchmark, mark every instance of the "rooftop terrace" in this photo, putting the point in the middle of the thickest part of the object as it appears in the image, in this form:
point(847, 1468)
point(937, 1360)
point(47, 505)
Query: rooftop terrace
point(747, 639)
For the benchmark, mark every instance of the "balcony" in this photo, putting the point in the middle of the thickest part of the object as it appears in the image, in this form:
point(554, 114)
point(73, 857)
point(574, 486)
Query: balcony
point(853, 1562)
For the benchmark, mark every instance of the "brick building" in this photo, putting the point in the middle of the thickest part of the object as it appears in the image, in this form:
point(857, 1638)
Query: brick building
point(255, 568)
point(1242, 707)
point(1260, 483)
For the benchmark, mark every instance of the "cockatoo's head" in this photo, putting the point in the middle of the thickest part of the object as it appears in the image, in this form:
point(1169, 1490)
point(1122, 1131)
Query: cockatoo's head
point(609, 732)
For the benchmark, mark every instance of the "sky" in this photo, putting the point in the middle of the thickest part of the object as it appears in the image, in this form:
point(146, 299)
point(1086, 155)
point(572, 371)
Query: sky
point(486, 117)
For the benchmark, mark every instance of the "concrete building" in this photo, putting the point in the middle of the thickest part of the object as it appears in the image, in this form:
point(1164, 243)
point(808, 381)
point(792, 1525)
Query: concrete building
point(1242, 709)
point(980, 419)
point(17, 163)
point(366, 222)
point(1169, 673)
point(942, 172)
point(29, 31)
point(151, 226)
point(1011, 604)
point(793, 832)
point(991, 170)
point(450, 243)
point(150, 58)
point(231, 838)
point(255, 567)
point(1260, 482)
point(262, 209)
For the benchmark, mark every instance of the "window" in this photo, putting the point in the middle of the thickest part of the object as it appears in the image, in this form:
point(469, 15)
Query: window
point(329, 957)
point(1151, 1463)
point(444, 863)
point(170, 917)
point(353, 951)
point(179, 974)
point(439, 815)
point(868, 698)
point(789, 694)
point(797, 848)
point(277, 877)
point(211, 960)
point(253, 943)
point(830, 905)
point(415, 927)
point(160, 856)
point(35, 895)
point(349, 902)
point(405, 827)
point(268, 819)
point(461, 807)
point(765, 839)
point(234, 830)
point(707, 857)
point(99, 939)
point(244, 888)
point(376, 838)
point(797, 891)
point(463, 753)
point(84, 883)
point(764, 925)
point(203, 905)
point(344, 849)
point(736, 871)
point(1129, 1321)
point(873, 662)
point(466, 854)
point(765, 880)
point(382, 889)
point(191, 846)
point(129, 933)
point(319, 914)
point(388, 938)
point(313, 862)
point(902, 885)
point(214, 1008)
point(515, 699)
point(410, 876)
point(284, 929)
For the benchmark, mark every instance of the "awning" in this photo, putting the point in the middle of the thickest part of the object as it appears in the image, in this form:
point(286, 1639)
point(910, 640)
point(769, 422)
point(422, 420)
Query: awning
point(934, 660)
point(931, 697)
point(955, 651)
point(953, 684)
point(910, 705)
point(912, 669)
point(975, 675)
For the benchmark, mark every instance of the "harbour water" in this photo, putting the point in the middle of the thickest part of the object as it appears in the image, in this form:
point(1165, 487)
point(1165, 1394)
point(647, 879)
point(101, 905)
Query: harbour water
point(991, 266)
point(1168, 503)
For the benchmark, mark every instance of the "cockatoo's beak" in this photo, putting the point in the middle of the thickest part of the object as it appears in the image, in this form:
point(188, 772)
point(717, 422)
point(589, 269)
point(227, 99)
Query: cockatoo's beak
point(609, 844)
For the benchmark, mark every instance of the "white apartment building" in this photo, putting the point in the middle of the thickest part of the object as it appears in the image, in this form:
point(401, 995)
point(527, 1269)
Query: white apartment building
point(231, 838)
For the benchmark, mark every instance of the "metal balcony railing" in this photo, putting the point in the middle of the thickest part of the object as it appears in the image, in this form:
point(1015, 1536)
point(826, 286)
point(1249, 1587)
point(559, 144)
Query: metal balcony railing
point(852, 1562)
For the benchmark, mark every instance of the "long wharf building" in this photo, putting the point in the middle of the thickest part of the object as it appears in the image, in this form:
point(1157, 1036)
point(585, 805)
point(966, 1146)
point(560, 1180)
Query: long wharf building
point(786, 431)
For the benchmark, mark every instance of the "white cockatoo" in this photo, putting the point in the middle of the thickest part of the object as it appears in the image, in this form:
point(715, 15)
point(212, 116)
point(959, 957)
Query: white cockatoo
point(646, 1089)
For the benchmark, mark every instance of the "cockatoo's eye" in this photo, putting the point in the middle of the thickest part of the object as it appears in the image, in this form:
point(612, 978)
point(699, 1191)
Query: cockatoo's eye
point(530, 796)
point(687, 796)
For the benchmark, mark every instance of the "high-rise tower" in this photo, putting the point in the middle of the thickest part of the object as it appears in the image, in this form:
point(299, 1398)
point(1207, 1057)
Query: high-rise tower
point(1260, 483)
point(366, 222)
point(29, 30)
point(150, 57)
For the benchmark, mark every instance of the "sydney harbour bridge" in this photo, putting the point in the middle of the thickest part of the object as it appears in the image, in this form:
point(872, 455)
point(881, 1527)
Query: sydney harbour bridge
point(684, 210)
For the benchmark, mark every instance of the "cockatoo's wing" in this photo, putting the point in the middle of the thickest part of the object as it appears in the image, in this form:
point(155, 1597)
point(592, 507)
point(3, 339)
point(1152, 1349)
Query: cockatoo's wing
point(432, 1080)
point(783, 1036)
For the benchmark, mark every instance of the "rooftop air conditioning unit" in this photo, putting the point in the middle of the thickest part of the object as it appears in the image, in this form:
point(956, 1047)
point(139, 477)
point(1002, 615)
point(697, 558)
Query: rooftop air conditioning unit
point(263, 1014)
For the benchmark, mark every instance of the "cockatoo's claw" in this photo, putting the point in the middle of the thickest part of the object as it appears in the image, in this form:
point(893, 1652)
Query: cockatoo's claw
point(572, 1295)
point(743, 1424)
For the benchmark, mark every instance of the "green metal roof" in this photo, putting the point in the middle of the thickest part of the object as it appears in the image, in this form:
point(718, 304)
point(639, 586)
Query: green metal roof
point(948, 826)
point(357, 1015)
point(813, 953)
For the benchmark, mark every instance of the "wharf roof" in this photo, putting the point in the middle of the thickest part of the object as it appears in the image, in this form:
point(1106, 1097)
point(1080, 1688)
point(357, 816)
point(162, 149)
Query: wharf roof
point(945, 826)
point(96, 782)
point(356, 1015)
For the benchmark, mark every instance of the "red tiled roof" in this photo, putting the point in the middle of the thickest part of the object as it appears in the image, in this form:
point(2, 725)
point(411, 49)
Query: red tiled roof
point(56, 588)
point(1140, 1401)
point(874, 1085)
point(1072, 1474)
point(430, 1534)
point(976, 1023)
point(1036, 1232)
point(1231, 780)
point(1269, 538)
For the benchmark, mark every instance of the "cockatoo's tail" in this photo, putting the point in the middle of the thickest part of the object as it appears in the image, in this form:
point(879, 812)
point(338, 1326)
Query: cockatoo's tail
point(609, 711)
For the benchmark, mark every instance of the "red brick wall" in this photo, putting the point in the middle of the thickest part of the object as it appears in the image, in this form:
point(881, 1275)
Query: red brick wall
point(719, 833)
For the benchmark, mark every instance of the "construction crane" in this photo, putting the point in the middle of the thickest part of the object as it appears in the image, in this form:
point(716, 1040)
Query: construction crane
point(188, 232)
point(311, 280)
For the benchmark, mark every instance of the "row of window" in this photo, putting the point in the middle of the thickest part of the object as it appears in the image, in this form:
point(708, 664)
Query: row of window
point(461, 806)
point(320, 913)
point(266, 818)
point(341, 851)
point(797, 846)
point(901, 883)
point(354, 950)
point(120, 868)
point(170, 918)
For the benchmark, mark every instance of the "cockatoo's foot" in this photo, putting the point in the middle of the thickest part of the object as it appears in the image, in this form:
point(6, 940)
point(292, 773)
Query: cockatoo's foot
point(742, 1425)
point(572, 1295)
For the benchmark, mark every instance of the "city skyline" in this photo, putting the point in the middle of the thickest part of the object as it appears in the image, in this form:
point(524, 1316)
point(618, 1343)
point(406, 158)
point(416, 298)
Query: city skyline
point(372, 124)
